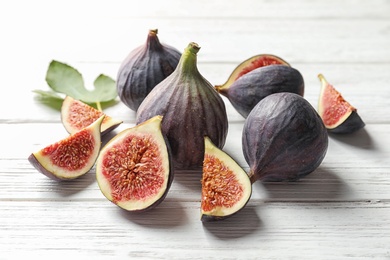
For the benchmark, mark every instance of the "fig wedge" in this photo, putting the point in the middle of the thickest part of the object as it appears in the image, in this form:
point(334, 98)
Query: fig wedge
point(338, 115)
point(70, 157)
point(76, 115)
point(226, 187)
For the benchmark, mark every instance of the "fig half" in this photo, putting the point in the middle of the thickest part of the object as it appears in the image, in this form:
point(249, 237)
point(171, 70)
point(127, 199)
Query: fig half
point(249, 89)
point(283, 138)
point(254, 62)
point(133, 169)
point(226, 187)
point(71, 157)
point(338, 115)
point(76, 115)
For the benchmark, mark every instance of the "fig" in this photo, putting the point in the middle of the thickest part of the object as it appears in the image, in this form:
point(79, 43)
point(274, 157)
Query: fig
point(133, 169)
point(252, 87)
point(143, 68)
point(76, 115)
point(72, 156)
point(338, 115)
point(283, 139)
point(254, 62)
point(191, 109)
point(226, 187)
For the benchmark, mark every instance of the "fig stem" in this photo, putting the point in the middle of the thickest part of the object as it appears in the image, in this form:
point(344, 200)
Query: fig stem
point(99, 106)
point(252, 177)
point(322, 79)
point(152, 41)
point(187, 62)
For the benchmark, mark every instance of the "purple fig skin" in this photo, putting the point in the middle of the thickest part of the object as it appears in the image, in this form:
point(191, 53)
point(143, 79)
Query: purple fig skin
point(144, 68)
point(352, 124)
point(283, 138)
point(191, 109)
point(34, 162)
point(252, 87)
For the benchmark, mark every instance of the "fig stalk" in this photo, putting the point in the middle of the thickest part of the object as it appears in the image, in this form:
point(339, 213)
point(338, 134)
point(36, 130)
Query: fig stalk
point(191, 108)
point(145, 67)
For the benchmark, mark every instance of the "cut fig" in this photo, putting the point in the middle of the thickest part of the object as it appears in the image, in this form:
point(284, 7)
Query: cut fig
point(252, 87)
point(283, 138)
point(133, 169)
point(254, 62)
point(338, 115)
point(76, 115)
point(226, 187)
point(71, 157)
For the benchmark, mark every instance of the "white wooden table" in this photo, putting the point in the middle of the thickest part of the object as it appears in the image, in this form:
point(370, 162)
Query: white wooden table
point(340, 211)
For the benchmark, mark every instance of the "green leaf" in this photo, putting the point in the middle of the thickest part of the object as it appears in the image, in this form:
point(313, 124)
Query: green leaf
point(105, 88)
point(63, 78)
point(48, 94)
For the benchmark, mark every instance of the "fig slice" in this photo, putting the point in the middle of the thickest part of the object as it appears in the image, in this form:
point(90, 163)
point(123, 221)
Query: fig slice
point(76, 115)
point(72, 156)
point(254, 62)
point(134, 168)
point(338, 115)
point(226, 187)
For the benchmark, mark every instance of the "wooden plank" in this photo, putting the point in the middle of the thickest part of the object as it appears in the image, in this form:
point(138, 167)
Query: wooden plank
point(340, 211)
point(355, 168)
point(356, 84)
point(321, 231)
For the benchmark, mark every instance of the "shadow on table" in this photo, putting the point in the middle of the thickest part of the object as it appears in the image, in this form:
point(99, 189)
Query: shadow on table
point(72, 187)
point(243, 223)
point(321, 185)
point(360, 139)
point(170, 213)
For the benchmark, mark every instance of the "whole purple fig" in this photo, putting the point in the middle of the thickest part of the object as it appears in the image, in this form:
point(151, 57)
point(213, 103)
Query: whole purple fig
point(283, 138)
point(191, 109)
point(144, 68)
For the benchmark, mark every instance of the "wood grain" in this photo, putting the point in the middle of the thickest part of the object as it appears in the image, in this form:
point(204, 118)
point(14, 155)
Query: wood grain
point(340, 211)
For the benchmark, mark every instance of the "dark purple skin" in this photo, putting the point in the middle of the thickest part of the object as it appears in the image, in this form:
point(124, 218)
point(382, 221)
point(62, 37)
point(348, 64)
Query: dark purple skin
point(144, 68)
point(191, 109)
point(350, 125)
point(34, 162)
point(252, 87)
point(111, 128)
point(283, 138)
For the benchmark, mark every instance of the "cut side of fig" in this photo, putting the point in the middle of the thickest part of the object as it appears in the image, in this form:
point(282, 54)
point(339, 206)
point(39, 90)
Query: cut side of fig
point(338, 115)
point(283, 138)
point(191, 109)
point(133, 169)
point(255, 85)
point(143, 68)
point(71, 157)
point(254, 62)
point(76, 115)
point(226, 187)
